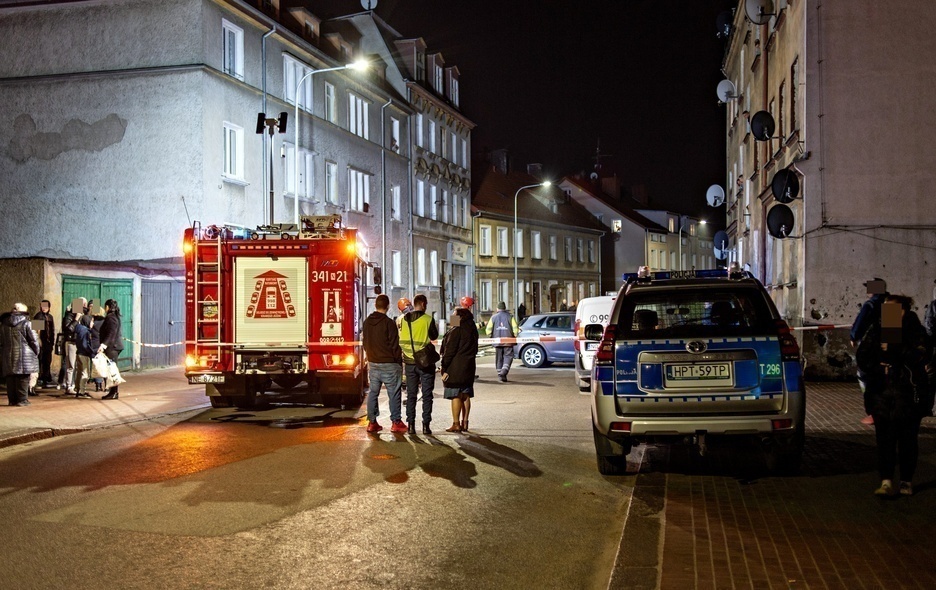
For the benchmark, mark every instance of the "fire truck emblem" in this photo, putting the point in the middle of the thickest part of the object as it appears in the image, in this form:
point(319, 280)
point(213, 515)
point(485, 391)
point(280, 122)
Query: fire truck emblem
point(209, 308)
point(270, 299)
point(334, 313)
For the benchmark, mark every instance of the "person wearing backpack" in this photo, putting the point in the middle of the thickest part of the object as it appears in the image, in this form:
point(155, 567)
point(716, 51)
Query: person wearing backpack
point(417, 331)
point(892, 363)
point(502, 325)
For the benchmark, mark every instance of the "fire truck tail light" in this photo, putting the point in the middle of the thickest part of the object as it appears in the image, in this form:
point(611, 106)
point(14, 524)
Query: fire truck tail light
point(187, 246)
point(350, 360)
point(190, 361)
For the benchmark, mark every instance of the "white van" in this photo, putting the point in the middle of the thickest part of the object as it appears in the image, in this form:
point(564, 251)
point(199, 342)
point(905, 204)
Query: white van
point(591, 310)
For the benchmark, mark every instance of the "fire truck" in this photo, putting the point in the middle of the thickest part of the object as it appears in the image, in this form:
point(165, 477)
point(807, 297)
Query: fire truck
point(281, 304)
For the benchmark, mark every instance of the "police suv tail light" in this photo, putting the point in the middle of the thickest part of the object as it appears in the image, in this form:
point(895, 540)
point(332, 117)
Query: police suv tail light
point(789, 348)
point(620, 427)
point(782, 424)
point(605, 353)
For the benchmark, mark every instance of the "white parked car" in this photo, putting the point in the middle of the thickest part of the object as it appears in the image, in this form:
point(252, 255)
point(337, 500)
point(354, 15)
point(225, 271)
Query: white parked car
point(591, 310)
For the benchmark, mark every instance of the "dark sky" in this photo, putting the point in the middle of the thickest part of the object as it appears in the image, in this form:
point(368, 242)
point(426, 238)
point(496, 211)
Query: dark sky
point(547, 80)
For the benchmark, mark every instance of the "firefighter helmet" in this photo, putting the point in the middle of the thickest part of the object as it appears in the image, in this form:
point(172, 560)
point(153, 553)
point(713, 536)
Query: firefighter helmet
point(404, 305)
point(466, 302)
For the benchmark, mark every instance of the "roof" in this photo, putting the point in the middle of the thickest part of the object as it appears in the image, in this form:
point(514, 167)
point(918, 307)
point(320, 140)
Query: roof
point(619, 206)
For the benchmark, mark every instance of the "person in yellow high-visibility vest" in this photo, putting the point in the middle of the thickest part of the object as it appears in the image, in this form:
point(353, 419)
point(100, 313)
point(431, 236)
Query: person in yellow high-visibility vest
point(503, 325)
point(417, 331)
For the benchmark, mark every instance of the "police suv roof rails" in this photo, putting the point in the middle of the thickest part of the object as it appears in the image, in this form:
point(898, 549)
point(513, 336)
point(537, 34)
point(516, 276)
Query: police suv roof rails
point(644, 275)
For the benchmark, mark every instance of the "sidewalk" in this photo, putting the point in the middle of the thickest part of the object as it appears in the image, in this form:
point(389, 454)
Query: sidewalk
point(145, 395)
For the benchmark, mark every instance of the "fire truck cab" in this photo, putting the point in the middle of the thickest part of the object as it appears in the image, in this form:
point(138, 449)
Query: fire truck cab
point(280, 304)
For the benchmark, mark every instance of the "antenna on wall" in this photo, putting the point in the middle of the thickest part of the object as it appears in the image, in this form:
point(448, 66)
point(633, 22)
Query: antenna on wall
point(598, 156)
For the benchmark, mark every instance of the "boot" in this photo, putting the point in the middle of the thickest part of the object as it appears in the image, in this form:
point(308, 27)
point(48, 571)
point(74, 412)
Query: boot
point(411, 426)
point(112, 393)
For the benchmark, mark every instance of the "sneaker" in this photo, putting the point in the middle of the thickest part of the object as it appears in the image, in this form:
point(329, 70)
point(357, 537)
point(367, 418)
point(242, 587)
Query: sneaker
point(503, 378)
point(71, 392)
point(869, 420)
point(906, 488)
point(25, 402)
point(374, 427)
point(398, 426)
point(886, 489)
point(83, 395)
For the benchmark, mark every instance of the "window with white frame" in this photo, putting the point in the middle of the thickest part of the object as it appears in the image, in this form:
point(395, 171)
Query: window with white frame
point(568, 249)
point(419, 130)
point(437, 71)
point(591, 251)
point(453, 147)
point(672, 261)
point(553, 247)
point(396, 267)
point(456, 210)
point(420, 198)
point(466, 213)
point(420, 66)
point(432, 136)
point(331, 105)
point(653, 259)
point(293, 71)
point(580, 250)
point(518, 243)
point(484, 240)
point(485, 295)
point(357, 116)
point(434, 268)
point(305, 180)
point(232, 47)
point(233, 151)
point(359, 189)
point(394, 134)
point(536, 246)
point(502, 244)
point(433, 201)
point(445, 206)
point(331, 183)
point(503, 291)
point(592, 289)
point(421, 266)
point(444, 149)
point(453, 90)
point(395, 203)
point(616, 226)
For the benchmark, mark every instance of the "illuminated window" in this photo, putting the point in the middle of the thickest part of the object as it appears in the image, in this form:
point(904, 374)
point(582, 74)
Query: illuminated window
point(293, 71)
point(359, 189)
point(305, 181)
point(357, 116)
point(331, 107)
point(232, 44)
point(484, 240)
point(502, 244)
point(616, 226)
point(233, 151)
point(331, 183)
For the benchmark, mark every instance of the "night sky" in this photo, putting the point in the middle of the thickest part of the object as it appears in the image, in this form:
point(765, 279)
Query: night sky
point(547, 80)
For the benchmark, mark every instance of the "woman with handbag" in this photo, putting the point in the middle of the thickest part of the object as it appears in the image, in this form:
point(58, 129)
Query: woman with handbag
point(459, 350)
point(112, 339)
point(417, 331)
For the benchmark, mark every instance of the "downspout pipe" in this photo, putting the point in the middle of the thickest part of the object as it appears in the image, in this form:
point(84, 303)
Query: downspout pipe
point(383, 191)
point(263, 108)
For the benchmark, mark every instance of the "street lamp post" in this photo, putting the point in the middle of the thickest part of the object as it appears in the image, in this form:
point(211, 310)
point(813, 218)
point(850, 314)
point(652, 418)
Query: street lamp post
point(358, 65)
point(517, 194)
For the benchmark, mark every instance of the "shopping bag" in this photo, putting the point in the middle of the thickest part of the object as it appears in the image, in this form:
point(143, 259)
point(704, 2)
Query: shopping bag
point(99, 365)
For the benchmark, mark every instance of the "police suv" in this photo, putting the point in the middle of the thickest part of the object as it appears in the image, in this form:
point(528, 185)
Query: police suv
point(691, 354)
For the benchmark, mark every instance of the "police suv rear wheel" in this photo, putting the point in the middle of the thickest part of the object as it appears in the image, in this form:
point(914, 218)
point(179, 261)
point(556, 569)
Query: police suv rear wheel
point(533, 356)
point(610, 464)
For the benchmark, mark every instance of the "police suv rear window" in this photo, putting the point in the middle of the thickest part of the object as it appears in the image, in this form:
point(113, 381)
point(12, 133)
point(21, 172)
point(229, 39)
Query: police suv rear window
point(694, 312)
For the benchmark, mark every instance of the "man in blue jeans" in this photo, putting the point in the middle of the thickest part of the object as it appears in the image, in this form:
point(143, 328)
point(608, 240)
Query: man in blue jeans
point(385, 365)
point(417, 331)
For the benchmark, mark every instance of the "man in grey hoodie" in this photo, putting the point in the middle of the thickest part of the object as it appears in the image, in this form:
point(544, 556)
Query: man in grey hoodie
point(384, 365)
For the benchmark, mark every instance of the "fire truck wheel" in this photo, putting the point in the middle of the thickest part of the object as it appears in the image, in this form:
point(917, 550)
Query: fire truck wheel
point(220, 401)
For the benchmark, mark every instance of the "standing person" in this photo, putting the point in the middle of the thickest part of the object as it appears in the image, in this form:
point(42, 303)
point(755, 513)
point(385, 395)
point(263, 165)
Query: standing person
point(88, 344)
point(70, 348)
point(521, 312)
point(385, 365)
point(111, 339)
point(502, 325)
point(458, 365)
point(19, 353)
point(417, 331)
point(46, 343)
point(896, 394)
point(869, 313)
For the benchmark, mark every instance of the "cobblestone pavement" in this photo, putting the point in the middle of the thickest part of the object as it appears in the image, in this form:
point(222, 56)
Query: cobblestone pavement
point(724, 522)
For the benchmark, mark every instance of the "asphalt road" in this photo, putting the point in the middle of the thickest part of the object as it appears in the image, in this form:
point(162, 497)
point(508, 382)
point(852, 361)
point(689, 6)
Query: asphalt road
point(293, 497)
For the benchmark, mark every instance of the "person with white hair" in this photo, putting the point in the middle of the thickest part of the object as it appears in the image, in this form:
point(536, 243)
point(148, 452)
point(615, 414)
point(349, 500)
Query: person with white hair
point(19, 353)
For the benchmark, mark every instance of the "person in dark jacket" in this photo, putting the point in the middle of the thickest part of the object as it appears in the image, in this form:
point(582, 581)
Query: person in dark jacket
point(88, 344)
point(458, 365)
point(111, 339)
point(69, 348)
point(384, 365)
point(870, 310)
point(19, 354)
point(502, 325)
point(417, 331)
point(46, 343)
point(896, 394)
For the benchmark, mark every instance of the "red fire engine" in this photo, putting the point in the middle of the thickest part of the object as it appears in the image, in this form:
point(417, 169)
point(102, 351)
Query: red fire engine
point(278, 304)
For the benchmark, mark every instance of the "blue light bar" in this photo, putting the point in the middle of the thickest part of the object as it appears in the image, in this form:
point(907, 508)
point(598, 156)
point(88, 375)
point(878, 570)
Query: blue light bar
point(663, 275)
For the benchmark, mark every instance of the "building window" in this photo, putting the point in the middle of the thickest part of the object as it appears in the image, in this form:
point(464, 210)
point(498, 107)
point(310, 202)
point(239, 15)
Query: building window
point(293, 71)
point(794, 88)
point(445, 206)
point(456, 210)
point(434, 268)
point(432, 136)
point(453, 90)
point(421, 266)
point(616, 226)
point(485, 296)
point(357, 116)
point(553, 248)
point(568, 249)
point(653, 259)
point(306, 182)
point(419, 130)
point(444, 147)
point(484, 240)
point(440, 88)
point(331, 106)
point(502, 245)
point(591, 251)
point(672, 261)
point(233, 151)
point(421, 198)
point(359, 189)
point(232, 44)
point(331, 183)
point(433, 201)
point(395, 203)
point(536, 245)
point(466, 213)
point(503, 292)
point(464, 153)
point(580, 250)
point(394, 134)
point(396, 263)
point(518, 243)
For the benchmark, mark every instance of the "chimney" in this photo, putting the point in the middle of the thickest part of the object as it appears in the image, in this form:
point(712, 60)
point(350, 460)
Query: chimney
point(535, 170)
point(500, 160)
point(611, 186)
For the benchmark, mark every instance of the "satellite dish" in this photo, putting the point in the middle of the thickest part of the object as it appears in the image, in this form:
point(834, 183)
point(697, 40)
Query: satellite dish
point(725, 90)
point(780, 221)
point(715, 195)
point(720, 242)
point(785, 185)
point(758, 11)
point(593, 176)
point(762, 125)
point(369, 4)
point(723, 24)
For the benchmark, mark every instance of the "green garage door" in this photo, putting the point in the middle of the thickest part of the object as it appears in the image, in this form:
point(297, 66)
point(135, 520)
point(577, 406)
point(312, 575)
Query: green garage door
point(100, 290)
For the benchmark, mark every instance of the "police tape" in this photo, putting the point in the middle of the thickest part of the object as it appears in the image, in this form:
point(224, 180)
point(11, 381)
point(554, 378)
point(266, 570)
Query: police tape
point(822, 327)
point(154, 345)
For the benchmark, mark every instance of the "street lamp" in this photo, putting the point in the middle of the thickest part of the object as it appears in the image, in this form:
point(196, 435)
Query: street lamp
point(517, 194)
point(357, 65)
point(701, 222)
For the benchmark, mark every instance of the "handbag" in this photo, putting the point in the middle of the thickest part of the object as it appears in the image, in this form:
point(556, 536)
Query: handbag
point(426, 357)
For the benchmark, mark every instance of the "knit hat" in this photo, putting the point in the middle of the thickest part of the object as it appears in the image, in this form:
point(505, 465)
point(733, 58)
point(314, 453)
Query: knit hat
point(501, 306)
point(21, 307)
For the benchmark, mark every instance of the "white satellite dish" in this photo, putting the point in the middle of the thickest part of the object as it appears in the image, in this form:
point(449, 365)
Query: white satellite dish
point(369, 4)
point(725, 90)
point(720, 243)
point(759, 11)
point(715, 195)
point(593, 176)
